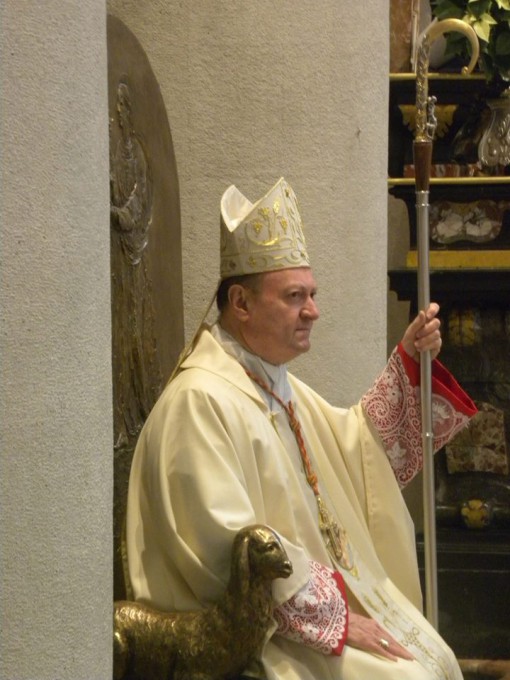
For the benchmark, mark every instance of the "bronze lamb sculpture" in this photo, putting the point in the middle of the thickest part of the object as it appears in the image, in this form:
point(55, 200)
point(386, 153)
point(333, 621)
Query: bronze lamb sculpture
point(216, 643)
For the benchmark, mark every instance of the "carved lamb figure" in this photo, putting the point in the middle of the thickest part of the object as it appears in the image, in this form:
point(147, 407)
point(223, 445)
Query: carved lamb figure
point(216, 643)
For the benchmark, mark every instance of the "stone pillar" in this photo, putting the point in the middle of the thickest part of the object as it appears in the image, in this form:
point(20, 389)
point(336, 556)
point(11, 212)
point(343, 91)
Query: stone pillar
point(56, 426)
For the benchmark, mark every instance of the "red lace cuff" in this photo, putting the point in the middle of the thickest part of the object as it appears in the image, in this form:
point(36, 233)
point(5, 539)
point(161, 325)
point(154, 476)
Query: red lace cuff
point(393, 406)
point(317, 615)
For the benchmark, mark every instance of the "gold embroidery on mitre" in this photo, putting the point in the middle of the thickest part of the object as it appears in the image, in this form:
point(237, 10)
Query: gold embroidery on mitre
point(264, 236)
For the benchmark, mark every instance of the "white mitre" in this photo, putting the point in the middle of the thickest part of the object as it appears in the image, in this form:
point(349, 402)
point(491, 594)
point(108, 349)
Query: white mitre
point(263, 236)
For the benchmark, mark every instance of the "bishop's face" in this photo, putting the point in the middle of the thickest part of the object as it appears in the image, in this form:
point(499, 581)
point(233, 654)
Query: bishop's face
point(280, 315)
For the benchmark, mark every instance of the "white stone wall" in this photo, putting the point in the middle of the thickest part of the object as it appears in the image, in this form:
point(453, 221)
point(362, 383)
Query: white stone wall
point(259, 89)
point(56, 423)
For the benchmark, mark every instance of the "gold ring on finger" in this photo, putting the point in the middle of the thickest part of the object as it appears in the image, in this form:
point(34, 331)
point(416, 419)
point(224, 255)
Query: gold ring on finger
point(384, 643)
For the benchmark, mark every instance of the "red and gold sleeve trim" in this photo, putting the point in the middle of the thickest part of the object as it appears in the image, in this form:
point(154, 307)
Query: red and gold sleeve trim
point(393, 406)
point(317, 615)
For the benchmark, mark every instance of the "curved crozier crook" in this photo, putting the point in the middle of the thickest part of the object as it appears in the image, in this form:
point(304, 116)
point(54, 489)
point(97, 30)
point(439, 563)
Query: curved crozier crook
point(437, 28)
point(431, 33)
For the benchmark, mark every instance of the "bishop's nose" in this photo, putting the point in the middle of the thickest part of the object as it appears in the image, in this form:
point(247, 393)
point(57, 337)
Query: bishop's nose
point(310, 310)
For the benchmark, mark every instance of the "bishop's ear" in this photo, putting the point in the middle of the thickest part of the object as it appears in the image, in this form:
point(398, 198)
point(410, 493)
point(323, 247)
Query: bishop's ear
point(238, 297)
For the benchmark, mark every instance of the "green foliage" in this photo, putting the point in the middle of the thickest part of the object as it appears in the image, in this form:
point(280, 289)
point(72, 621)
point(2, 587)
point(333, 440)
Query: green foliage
point(490, 20)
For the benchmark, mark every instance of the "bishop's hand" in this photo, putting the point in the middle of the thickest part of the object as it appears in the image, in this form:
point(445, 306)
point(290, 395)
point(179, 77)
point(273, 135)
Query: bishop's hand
point(424, 333)
point(367, 635)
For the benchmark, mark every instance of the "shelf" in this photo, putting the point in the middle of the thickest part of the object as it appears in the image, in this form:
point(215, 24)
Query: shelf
point(493, 201)
point(469, 182)
point(460, 102)
point(469, 287)
point(432, 75)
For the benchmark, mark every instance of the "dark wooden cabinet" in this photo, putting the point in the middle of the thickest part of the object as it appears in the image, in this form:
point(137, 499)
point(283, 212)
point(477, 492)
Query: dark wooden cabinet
point(470, 279)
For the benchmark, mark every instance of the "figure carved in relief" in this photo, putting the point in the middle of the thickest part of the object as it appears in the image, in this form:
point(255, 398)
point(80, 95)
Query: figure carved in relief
point(131, 208)
point(137, 377)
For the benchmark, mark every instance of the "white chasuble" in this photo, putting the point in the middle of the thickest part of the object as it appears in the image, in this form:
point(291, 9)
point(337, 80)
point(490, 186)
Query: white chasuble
point(213, 458)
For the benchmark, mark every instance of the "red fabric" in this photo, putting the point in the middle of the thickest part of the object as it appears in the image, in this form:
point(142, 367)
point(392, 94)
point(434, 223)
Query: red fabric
point(443, 383)
point(317, 615)
point(341, 587)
